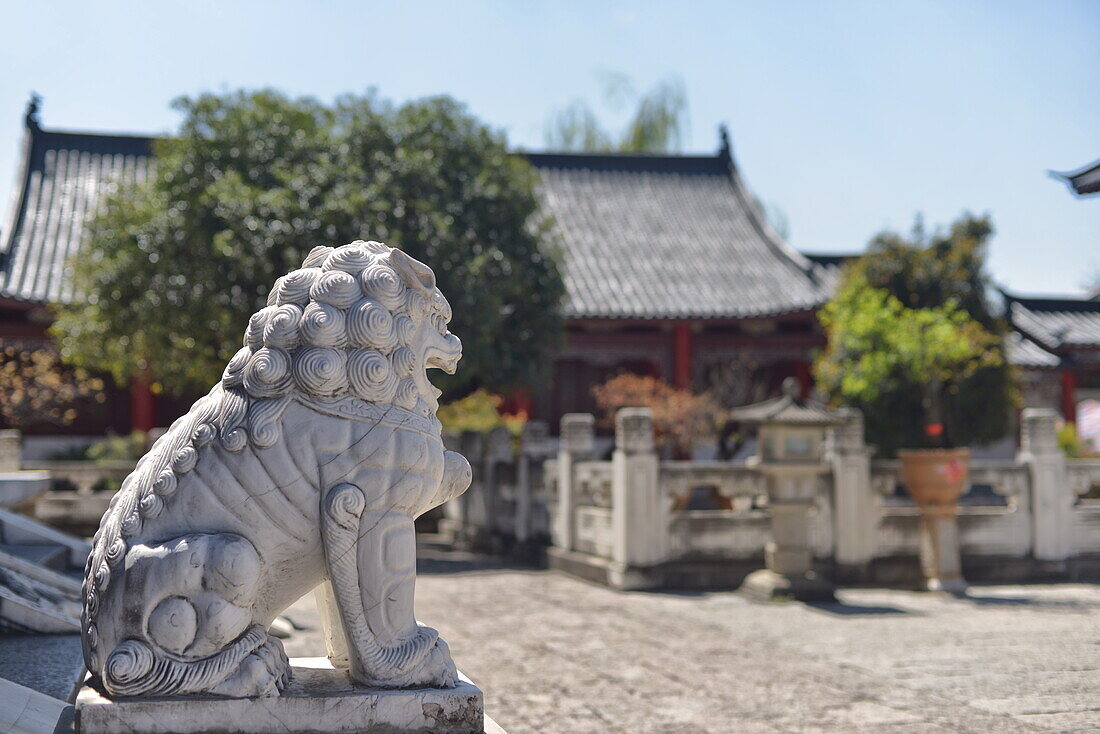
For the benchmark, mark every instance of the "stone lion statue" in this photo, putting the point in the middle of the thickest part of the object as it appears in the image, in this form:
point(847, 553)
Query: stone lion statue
point(304, 466)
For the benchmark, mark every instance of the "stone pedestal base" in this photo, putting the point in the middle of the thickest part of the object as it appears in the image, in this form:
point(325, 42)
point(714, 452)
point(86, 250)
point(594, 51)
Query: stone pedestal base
point(767, 585)
point(956, 587)
point(940, 558)
point(319, 700)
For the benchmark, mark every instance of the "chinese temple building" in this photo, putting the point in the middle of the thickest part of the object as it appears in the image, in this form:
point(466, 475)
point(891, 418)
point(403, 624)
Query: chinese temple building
point(1057, 352)
point(61, 179)
point(670, 269)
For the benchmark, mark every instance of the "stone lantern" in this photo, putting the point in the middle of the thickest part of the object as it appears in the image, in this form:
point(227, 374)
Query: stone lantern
point(790, 454)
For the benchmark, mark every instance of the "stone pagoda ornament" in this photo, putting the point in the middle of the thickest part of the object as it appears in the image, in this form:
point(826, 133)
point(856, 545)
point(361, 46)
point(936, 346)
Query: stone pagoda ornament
point(306, 464)
point(790, 453)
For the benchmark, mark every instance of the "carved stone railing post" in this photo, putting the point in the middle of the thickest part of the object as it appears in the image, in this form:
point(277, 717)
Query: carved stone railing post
point(578, 434)
point(639, 522)
point(1051, 496)
point(855, 509)
point(498, 448)
point(11, 450)
point(454, 512)
point(474, 517)
point(534, 443)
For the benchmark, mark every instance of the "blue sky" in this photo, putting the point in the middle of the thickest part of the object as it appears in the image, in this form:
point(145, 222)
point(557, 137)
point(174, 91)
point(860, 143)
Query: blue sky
point(849, 116)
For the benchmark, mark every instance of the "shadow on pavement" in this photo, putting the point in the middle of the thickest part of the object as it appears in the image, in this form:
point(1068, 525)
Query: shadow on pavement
point(1028, 601)
point(434, 557)
point(847, 610)
point(691, 593)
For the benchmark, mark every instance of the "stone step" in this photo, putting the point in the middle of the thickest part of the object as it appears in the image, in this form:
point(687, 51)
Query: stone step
point(54, 557)
point(19, 530)
point(50, 664)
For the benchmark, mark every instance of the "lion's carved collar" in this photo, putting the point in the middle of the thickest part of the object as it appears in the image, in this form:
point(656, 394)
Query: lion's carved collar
point(355, 409)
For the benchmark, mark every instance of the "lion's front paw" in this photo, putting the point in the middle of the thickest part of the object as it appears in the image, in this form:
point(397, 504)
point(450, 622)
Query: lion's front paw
point(265, 672)
point(427, 664)
point(436, 670)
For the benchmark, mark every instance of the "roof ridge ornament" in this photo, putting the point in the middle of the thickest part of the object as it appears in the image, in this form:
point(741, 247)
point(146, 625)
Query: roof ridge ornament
point(725, 148)
point(30, 118)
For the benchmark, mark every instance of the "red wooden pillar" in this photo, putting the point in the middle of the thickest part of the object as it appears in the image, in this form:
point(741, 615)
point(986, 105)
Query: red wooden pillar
point(1069, 404)
point(802, 374)
point(681, 355)
point(143, 407)
point(516, 402)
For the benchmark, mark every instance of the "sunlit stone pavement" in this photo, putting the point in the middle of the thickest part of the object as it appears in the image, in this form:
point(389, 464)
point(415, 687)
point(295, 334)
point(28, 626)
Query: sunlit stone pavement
point(555, 654)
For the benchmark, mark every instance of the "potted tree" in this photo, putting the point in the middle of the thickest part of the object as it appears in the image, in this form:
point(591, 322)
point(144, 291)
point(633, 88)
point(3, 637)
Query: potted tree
point(913, 344)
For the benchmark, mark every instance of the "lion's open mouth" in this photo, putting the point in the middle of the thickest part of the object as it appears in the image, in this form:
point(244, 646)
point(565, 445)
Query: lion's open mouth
point(446, 356)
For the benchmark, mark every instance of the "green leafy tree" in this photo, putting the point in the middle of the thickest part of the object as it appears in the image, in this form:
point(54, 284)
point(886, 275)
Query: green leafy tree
point(928, 270)
point(913, 343)
point(655, 126)
point(577, 128)
point(480, 412)
point(253, 180)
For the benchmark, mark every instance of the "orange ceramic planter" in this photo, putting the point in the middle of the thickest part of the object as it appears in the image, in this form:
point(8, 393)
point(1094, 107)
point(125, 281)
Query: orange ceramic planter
point(935, 476)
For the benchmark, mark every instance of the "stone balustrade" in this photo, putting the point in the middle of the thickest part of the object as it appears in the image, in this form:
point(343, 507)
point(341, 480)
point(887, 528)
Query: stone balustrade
point(83, 475)
point(76, 510)
point(507, 507)
point(1084, 481)
point(705, 523)
point(632, 520)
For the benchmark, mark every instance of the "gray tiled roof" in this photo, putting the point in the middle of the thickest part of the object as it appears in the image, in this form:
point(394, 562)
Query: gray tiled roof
point(1085, 180)
point(668, 237)
point(1057, 323)
point(63, 178)
point(1022, 352)
point(644, 236)
point(827, 269)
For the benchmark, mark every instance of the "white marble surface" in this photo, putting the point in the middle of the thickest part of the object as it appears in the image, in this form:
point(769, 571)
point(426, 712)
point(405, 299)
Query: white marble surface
point(27, 711)
point(19, 487)
point(34, 598)
point(317, 700)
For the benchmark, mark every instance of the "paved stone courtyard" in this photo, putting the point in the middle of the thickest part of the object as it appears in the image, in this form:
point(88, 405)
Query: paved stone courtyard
point(555, 654)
